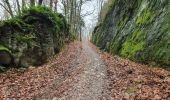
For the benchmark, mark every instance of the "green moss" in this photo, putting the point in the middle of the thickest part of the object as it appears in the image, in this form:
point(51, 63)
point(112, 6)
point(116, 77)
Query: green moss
point(122, 23)
point(25, 25)
point(111, 3)
point(146, 17)
point(55, 22)
point(130, 49)
point(131, 89)
point(3, 48)
point(162, 52)
point(114, 47)
point(25, 38)
point(133, 44)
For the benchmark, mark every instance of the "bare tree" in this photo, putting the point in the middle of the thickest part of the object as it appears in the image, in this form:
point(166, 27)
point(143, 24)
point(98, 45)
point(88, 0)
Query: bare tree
point(18, 7)
point(40, 2)
point(51, 3)
point(100, 7)
point(7, 7)
point(32, 2)
point(55, 5)
point(73, 13)
point(23, 4)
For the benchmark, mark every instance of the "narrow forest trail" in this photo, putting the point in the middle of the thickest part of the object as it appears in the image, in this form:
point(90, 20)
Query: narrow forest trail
point(78, 73)
point(87, 79)
point(83, 72)
point(92, 82)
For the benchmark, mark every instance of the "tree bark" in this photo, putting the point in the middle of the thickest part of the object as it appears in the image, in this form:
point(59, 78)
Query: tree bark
point(80, 25)
point(51, 4)
point(9, 8)
point(72, 10)
point(18, 7)
point(40, 2)
point(55, 3)
point(32, 2)
point(23, 4)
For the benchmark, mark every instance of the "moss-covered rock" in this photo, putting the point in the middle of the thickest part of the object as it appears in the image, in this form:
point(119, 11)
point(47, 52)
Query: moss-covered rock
point(5, 56)
point(34, 36)
point(137, 29)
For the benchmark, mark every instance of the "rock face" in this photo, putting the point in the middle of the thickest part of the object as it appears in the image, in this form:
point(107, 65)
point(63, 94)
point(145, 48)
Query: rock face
point(34, 36)
point(5, 58)
point(136, 29)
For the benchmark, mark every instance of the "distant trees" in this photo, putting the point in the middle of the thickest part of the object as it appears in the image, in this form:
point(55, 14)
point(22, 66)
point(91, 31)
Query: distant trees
point(12, 10)
point(32, 2)
point(100, 7)
point(18, 7)
point(51, 3)
point(72, 10)
point(6, 5)
point(40, 2)
point(73, 13)
point(55, 5)
point(23, 4)
point(13, 7)
point(103, 8)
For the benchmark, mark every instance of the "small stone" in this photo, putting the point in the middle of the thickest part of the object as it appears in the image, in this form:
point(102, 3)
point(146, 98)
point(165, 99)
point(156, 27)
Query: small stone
point(157, 97)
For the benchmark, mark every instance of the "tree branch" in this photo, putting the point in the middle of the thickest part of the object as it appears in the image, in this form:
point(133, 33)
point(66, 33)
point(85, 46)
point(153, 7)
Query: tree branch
point(4, 7)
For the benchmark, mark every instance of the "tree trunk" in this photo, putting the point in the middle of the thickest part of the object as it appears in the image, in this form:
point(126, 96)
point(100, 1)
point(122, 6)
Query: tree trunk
point(75, 16)
point(71, 15)
point(72, 11)
point(80, 24)
point(9, 8)
point(67, 10)
point(55, 3)
point(18, 7)
point(23, 4)
point(40, 2)
point(32, 2)
point(51, 4)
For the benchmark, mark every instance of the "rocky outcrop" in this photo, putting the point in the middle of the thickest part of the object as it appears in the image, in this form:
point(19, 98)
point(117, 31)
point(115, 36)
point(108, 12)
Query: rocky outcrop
point(136, 29)
point(32, 37)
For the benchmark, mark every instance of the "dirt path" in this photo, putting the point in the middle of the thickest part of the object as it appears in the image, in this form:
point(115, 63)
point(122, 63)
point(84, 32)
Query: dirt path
point(92, 82)
point(87, 79)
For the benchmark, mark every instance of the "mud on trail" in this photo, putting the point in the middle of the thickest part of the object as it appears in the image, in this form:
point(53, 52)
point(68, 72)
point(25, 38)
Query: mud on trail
point(82, 72)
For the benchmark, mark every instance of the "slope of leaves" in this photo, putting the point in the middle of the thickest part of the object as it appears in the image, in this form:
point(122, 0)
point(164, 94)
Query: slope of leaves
point(133, 81)
point(27, 83)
